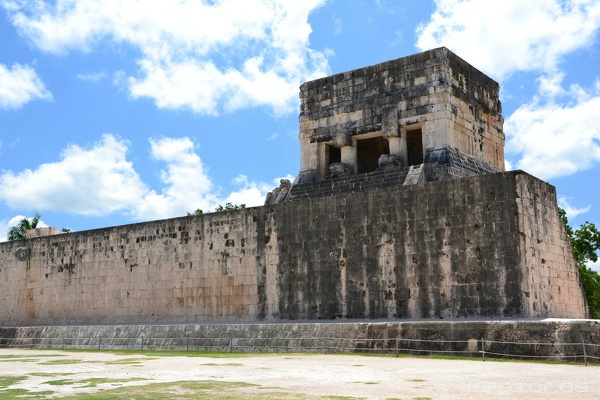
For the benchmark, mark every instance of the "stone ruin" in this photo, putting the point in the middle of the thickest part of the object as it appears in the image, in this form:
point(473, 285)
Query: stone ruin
point(401, 209)
point(430, 110)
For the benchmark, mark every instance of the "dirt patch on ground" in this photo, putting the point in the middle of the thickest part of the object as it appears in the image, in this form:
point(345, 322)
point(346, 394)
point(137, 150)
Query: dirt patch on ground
point(53, 373)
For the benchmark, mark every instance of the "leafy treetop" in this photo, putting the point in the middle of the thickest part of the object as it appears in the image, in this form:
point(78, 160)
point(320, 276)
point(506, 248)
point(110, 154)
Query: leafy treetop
point(226, 207)
point(18, 232)
point(585, 242)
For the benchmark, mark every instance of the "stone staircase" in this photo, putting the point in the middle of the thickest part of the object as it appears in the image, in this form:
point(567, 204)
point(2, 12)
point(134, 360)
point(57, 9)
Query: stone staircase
point(349, 184)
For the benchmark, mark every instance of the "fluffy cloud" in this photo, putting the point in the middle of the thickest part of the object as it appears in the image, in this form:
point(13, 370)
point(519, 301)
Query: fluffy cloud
point(92, 76)
point(93, 181)
point(558, 132)
point(501, 37)
point(555, 139)
point(187, 185)
point(205, 56)
point(572, 211)
point(99, 180)
point(252, 193)
point(19, 85)
point(595, 266)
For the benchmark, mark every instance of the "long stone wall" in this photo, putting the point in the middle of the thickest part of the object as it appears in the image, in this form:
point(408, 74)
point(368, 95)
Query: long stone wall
point(551, 339)
point(483, 246)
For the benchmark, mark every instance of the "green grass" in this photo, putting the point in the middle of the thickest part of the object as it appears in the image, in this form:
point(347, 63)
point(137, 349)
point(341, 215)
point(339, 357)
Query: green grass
point(61, 362)
point(60, 382)
point(184, 390)
point(132, 361)
point(8, 356)
point(223, 365)
point(10, 394)
point(17, 393)
point(170, 353)
point(91, 382)
point(50, 374)
point(211, 354)
point(6, 381)
point(289, 355)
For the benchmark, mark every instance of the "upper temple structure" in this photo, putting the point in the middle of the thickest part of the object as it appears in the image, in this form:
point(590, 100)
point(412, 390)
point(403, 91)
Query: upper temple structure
point(431, 109)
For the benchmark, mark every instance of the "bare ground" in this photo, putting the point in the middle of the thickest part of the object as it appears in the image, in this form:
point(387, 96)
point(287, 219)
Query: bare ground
point(54, 373)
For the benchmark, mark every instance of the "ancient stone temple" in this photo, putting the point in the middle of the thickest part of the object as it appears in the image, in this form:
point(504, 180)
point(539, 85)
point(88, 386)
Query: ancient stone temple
point(401, 209)
point(429, 108)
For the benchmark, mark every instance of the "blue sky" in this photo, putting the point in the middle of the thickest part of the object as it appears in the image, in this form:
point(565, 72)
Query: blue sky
point(118, 111)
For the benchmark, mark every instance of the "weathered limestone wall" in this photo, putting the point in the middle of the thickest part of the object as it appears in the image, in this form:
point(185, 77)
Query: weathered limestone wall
point(183, 269)
point(484, 246)
point(544, 251)
point(553, 339)
point(475, 112)
point(452, 103)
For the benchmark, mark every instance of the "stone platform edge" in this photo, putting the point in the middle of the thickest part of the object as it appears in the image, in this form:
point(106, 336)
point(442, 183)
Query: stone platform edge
point(575, 340)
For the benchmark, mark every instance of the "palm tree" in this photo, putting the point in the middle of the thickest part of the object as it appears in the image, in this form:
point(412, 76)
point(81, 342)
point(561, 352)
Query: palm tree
point(17, 232)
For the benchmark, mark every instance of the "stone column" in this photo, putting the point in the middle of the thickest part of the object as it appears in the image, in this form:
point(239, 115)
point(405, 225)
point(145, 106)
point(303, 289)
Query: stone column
point(349, 156)
point(396, 138)
point(343, 141)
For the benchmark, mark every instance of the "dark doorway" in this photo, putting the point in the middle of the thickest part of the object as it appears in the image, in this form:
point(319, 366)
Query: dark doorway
point(368, 152)
point(414, 145)
point(334, 155)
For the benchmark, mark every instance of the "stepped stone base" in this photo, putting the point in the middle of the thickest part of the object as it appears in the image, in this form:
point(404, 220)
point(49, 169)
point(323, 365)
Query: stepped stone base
point(440, 165)
point(551, 339)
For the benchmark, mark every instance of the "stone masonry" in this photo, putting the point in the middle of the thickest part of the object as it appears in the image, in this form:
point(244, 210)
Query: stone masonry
point(400, 210)
point(414, 109)
point(483, 246)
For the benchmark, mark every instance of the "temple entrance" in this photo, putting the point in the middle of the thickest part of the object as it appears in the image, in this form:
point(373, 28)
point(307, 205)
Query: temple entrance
point(414, 146)
point(368, 152)
point(334, 155)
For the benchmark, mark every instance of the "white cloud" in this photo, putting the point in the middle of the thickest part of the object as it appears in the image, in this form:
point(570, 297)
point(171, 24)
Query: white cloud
point(252, 193)
point(187, 185)
point(501, 37)
point(572, 211)
point(594, 265)
point(20, 85)
point(338, 24)
point(99, 180)
point(556, 139)
point(92, 76)
point(205, 56)
point(390, 7)
point(94, 181)
point(558, 132)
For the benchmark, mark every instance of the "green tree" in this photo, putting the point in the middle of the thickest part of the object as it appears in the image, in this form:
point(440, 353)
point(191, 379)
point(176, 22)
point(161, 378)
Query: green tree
point(230, 207)
point(585, 242)
point(17, 232)
point(226, 207)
